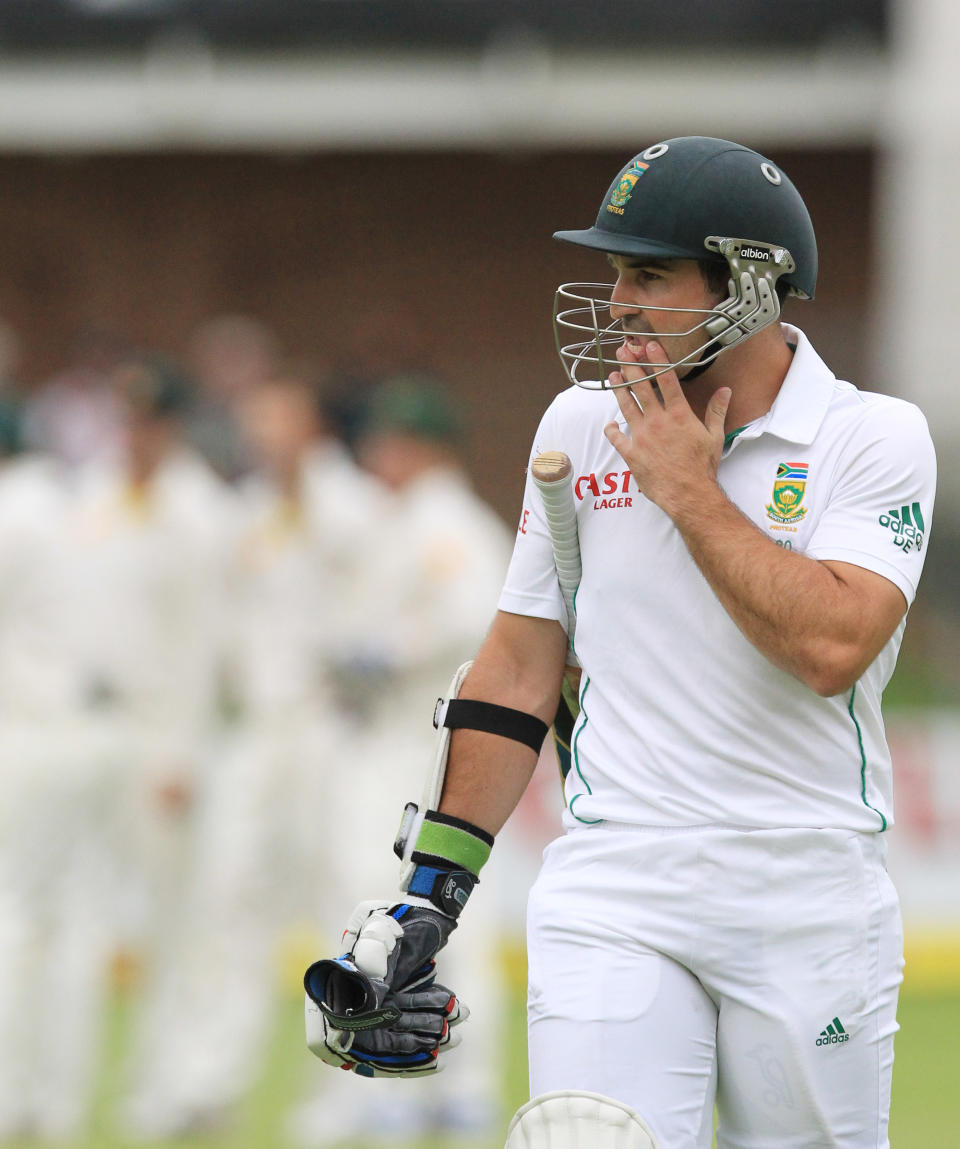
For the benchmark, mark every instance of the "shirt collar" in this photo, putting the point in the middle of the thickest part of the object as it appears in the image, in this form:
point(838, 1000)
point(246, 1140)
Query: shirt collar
point(802, 401)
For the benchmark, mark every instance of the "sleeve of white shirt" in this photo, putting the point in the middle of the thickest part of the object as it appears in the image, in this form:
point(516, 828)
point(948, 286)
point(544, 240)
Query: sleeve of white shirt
point(531, 587)
point(881, 506)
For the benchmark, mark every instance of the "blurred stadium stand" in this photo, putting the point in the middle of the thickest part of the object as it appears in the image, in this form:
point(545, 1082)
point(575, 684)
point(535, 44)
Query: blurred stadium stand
point(257, 25)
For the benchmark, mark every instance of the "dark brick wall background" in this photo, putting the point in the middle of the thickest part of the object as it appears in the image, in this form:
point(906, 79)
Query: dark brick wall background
point(367, 262)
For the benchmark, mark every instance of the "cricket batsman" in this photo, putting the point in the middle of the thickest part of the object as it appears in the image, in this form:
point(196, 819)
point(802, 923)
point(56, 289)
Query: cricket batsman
point(716, 927)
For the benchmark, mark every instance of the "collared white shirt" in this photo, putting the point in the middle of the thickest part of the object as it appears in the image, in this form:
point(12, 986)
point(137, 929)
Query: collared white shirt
point(683, 721)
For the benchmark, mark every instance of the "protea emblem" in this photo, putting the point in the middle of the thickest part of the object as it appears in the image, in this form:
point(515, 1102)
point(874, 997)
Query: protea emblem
point(788, 490)
point(624, 189)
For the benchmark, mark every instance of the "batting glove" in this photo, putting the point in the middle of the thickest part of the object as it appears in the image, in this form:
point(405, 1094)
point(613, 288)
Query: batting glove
point(377, 1010)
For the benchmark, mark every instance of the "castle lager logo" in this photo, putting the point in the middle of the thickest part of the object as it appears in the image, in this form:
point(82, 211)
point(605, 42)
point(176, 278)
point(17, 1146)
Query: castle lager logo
point(788, 490)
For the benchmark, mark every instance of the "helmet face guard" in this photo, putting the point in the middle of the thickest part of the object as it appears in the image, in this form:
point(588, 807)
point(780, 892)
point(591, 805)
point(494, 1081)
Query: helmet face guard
point(582, 310)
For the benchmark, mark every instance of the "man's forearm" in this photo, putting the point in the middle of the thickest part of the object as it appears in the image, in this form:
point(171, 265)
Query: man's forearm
point(793, 609)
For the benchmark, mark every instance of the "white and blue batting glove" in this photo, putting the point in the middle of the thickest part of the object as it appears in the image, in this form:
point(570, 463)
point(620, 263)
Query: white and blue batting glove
point(378, 1010)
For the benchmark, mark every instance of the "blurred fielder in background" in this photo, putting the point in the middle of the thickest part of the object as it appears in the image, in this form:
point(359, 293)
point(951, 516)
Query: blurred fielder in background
point(716, 926)
point(57, 788)
point(304, 511)
point(430, 580)
point(150, 528)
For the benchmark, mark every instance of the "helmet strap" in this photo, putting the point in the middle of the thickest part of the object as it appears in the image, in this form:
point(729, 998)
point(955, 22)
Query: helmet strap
point(697, 369)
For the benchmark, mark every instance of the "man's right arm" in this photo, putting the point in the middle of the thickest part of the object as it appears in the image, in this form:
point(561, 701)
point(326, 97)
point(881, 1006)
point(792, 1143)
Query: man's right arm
point(520, 665)
point(376, 1010)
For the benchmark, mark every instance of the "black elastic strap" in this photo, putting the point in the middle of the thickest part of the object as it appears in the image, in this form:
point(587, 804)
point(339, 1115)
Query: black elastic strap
point(698, 368)
point(470, 714)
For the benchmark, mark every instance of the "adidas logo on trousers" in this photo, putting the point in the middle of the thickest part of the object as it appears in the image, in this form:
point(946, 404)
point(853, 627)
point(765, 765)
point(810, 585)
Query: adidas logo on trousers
point(833, 1034)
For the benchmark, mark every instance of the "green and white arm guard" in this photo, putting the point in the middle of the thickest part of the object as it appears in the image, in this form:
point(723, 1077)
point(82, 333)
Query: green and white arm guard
point(442, 855)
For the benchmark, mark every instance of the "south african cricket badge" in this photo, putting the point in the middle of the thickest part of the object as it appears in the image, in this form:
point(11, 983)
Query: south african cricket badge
point(624, 189)
point(788, 490)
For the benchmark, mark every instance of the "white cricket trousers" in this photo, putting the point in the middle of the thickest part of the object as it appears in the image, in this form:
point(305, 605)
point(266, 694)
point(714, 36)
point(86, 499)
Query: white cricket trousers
point(755, 969)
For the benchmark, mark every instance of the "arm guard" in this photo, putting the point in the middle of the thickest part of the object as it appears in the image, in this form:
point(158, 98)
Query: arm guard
point(442, 855)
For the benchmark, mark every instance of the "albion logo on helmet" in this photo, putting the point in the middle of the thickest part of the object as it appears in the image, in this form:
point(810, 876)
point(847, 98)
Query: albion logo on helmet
point(754, 253)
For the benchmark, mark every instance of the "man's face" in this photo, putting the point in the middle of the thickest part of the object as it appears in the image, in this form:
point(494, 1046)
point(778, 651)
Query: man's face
point(644, 284)
point(149, 436)
point(279, 422)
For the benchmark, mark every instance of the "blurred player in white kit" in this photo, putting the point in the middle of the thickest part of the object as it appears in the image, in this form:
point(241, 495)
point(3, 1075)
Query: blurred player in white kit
point(153, 525)
point(716, 926)
point(56, 792)
point(434, 572)
point(150, 527)
point(263, 831)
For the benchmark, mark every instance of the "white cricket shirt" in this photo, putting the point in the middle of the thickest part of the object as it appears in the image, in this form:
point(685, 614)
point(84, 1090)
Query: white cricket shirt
point(683, 721)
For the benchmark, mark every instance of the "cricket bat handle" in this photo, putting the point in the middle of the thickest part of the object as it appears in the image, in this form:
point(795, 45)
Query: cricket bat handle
point(552, 471)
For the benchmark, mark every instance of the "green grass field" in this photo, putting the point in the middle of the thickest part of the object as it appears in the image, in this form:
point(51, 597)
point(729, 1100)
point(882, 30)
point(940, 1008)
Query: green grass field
point(926, 1106)
point(926, 1080)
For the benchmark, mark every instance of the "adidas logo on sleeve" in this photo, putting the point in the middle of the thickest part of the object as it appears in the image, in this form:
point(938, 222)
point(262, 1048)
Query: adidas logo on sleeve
point(834, 1034)
point(907, 529)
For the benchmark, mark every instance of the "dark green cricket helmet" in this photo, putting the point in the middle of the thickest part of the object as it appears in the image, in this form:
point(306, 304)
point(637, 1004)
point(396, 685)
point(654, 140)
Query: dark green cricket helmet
point(671, 197)
point(690, 198)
